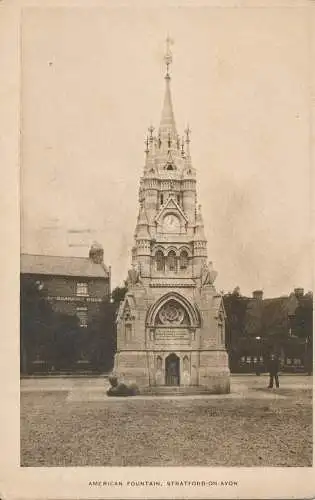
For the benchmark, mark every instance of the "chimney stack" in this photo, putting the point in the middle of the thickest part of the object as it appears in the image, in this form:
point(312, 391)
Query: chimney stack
point(258, 294)
point(298, 292)
point(96, 253)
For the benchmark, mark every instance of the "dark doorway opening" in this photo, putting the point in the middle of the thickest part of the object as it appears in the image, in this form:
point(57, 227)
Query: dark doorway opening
point(172, 370)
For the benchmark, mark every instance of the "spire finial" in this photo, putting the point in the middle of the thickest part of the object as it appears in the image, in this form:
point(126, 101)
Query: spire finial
point(147, 145)
point(168, 58)
point(182, 148)
point(187, 132)
point(151, 130)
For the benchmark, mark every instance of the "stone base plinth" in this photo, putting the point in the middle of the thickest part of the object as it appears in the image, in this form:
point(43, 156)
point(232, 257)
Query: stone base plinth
point(131, 367)
point(164, 390)
point(211, 373)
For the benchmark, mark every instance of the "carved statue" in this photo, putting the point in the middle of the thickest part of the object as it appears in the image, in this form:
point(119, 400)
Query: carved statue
point(208, 274)
point(134, 274)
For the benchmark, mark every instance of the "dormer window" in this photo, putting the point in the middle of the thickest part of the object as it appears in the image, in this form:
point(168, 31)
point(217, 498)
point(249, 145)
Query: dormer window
point(170, 167)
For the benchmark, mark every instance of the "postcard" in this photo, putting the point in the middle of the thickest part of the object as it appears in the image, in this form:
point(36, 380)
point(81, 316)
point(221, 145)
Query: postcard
point(157, 249)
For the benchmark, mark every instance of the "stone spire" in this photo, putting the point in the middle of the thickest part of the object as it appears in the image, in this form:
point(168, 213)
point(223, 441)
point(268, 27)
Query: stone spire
point(167, 128)
point(142, 224)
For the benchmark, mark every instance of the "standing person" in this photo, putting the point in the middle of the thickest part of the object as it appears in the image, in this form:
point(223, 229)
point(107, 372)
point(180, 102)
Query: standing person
point(273, 368)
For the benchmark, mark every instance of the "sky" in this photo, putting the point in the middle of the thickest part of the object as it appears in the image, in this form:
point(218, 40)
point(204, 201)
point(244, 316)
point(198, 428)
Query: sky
point(92, 83)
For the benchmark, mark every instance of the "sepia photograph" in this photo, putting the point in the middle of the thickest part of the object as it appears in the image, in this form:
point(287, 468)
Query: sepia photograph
point(166, 301)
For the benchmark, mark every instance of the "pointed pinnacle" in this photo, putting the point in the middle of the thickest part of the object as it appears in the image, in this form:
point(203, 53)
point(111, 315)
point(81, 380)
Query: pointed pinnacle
point(187, 132)
point(147, 145)
point(151, 130)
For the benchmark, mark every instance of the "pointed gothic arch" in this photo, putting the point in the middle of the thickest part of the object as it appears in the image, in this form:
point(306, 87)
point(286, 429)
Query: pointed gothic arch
point(190, 309)
point(172, 261)
point(171, 248)
point(159, 260)
point(186, 363)
point(172, 370)
point(183, 259)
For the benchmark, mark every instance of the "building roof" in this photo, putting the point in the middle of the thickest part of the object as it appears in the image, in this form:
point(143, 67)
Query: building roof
point(62, 266)
point(269, 316)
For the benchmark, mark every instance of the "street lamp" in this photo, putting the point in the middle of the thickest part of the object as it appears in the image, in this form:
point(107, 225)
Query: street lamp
point(258, 339)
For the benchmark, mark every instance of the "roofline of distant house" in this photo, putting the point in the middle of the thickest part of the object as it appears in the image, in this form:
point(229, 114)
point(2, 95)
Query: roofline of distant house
point(106, 269)
point(68, 275)
point(51, 255)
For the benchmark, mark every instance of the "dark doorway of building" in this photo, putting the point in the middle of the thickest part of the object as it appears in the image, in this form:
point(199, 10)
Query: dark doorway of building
point(172, 370)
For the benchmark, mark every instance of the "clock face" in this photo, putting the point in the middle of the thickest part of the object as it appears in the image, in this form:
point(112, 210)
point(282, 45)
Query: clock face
point(171, 223)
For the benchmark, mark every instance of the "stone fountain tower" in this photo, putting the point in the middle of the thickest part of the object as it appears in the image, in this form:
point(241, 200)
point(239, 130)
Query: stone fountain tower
point(171, 324)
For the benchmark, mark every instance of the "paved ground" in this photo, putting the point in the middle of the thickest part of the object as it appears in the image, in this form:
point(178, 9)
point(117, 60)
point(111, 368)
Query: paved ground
point(242, 386)
point(71, 422)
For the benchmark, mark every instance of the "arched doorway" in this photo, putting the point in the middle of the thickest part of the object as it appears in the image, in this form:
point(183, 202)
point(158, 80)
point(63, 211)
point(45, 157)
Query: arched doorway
point(172, 370)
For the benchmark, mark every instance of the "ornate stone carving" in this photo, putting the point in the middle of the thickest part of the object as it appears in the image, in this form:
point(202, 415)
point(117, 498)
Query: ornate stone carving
point(134, 274)
point(208, 274)
point(171, 314)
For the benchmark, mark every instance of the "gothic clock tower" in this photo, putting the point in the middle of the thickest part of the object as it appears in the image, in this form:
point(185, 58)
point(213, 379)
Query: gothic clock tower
point(170, 326)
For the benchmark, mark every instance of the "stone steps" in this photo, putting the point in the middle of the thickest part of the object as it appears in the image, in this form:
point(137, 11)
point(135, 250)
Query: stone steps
point(164, 390)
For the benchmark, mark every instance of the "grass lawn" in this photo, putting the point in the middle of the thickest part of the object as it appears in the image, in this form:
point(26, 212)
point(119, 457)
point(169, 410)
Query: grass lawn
point(158, 432)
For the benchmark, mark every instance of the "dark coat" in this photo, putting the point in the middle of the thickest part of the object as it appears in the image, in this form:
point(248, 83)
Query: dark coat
point(273, 366)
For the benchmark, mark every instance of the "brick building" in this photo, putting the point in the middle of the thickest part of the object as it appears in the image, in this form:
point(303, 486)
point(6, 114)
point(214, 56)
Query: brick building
point(65, 312)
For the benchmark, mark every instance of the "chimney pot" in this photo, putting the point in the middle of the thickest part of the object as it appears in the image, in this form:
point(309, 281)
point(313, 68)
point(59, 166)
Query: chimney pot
point(258, 294)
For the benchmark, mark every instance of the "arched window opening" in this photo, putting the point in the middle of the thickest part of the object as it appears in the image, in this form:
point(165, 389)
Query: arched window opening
point(161, 199)
point(178, 199)
point(183, 259)
point(221, 333)
point(159, 257)
point(159, 363)
point(185, 364)
point(172, 370)
point(171, 259)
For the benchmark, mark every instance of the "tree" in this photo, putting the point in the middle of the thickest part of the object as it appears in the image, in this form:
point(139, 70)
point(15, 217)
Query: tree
point(118, 294)
point(36, 321)
point(235, 307)
point(102, 333)
point(63, 350)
